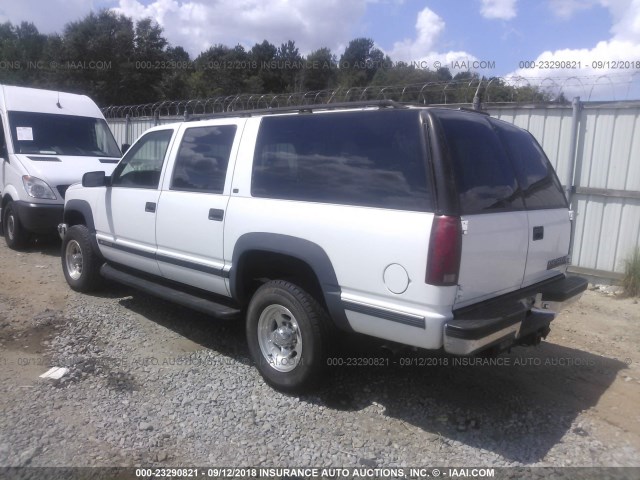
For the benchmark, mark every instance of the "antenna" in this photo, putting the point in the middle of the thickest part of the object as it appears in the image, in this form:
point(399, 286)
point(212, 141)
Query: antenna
point(58, 103)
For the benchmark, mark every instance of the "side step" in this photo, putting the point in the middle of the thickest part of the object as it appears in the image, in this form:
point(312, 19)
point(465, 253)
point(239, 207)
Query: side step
point(218, 310)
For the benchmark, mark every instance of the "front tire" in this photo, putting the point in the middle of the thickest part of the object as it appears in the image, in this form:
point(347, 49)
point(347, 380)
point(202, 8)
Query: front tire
point(286, 333)
point(14, 233)
point(80, 262)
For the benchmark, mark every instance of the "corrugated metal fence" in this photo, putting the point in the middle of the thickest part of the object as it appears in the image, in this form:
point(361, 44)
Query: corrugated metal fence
point(594, 147)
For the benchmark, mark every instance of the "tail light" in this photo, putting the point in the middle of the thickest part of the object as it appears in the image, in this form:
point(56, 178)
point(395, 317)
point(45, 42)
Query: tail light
point(445, 247)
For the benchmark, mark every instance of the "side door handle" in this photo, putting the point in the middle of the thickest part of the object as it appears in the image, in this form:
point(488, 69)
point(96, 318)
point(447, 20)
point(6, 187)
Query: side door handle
point(216, 214)
point(150, 207)
point(538, 233)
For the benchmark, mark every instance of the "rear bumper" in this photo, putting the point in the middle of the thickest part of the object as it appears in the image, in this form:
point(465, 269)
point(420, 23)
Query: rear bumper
point(521, 317)
point(39, 217)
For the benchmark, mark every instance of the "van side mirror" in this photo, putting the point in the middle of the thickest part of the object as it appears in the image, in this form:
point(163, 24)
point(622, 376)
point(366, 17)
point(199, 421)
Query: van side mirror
point(125, 147)
point(94, 179)
point(4, 153)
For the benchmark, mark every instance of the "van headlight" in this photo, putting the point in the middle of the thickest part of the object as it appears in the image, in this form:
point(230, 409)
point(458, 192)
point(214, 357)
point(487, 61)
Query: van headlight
point(37, 188)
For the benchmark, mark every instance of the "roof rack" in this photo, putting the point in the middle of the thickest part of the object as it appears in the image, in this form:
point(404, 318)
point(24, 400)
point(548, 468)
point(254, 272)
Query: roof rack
point(481, 112)
point(303, 109)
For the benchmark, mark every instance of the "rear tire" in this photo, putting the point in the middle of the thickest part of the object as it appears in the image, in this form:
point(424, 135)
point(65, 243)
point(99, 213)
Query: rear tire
point(286, 333)
point(80, 262)
point(14, 233)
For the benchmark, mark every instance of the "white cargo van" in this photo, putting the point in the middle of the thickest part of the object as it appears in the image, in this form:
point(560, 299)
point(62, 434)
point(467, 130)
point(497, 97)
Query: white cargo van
point(48, 140)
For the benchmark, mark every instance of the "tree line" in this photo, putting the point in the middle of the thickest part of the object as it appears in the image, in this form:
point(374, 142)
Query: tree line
point(117, 61)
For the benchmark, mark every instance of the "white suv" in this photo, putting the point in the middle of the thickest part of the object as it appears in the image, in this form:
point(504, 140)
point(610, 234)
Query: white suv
point(437, 228)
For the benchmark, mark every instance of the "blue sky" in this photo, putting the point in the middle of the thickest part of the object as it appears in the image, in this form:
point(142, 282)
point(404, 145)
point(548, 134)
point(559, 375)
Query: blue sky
point(504, 32)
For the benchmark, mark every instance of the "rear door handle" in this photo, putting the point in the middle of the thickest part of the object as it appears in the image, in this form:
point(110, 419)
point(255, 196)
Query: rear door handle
point(150, 207)
point(538, 233)
point(216, 214)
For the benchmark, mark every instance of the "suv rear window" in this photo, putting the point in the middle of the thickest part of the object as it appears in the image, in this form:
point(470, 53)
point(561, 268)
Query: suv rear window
point(366, 158)
point(485, 178)
point(538, 181)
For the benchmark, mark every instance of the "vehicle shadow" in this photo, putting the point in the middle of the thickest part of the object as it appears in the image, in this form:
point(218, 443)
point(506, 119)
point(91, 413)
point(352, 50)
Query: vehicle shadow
point(531, 396)
point(48, 245)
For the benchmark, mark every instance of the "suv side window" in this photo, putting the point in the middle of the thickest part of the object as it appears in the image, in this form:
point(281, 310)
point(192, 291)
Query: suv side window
point(370, 158)
point(484, 175)
point(539, 183)
point(201, 163)
point(142, 164)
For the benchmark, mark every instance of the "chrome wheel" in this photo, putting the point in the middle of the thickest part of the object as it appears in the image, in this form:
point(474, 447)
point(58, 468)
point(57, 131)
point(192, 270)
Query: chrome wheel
point(279, 338)
point(73, 259)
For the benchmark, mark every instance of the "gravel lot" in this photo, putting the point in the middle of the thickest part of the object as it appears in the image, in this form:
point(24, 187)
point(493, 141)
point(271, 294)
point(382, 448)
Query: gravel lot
point(151, 383)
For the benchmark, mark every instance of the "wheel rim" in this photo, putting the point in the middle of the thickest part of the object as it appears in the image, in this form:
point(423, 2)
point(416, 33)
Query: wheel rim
point(280, 338)
point(11, 226)
point(73, 259)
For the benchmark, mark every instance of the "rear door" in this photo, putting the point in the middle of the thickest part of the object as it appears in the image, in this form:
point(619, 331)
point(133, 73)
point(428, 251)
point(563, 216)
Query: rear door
point(549, 228)
point(494, 242)
point(193, 205)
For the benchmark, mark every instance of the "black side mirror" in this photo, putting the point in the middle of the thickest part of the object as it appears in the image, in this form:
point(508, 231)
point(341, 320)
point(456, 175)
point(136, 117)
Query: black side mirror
point(94, 179)
point(125, 147)
point(4, 153)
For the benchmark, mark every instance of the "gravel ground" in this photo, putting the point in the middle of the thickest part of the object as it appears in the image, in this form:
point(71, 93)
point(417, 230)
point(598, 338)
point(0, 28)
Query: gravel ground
point(151, 383)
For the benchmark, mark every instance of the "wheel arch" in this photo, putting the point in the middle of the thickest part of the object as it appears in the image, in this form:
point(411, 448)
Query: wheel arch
point(78, 212)
point(258, 255)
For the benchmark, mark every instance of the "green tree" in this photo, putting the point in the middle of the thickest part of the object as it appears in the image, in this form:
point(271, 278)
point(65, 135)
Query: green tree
point(150, 61)
point(321, 71)
point(264, 77)
point(103, 37)
point(289, 62)
point(220, 71)
point(359, 63)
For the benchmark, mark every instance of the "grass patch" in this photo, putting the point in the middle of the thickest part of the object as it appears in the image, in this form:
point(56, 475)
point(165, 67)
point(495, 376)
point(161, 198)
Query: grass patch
point(631, 280)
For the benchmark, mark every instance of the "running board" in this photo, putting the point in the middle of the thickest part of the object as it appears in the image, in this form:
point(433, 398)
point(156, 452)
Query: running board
point(218, 310)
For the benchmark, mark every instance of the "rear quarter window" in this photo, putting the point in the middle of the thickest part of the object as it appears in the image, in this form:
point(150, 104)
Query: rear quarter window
point(365, 158)
point(540, 185)
point(485, 179)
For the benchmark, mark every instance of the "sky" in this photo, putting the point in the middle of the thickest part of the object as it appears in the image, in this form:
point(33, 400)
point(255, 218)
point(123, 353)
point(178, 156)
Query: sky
point(589, 48)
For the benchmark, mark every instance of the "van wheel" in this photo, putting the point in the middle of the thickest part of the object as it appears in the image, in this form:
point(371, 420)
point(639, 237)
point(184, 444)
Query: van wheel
point(14, 233)
point(80, 263)
point(286, 332)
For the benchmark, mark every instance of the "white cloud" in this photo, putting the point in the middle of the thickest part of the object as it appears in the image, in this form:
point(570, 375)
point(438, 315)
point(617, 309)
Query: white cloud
point(49, 16)
point(197, 25)
point(498, 9)
point(622, 46)
point(566, 8)
point(422, 48)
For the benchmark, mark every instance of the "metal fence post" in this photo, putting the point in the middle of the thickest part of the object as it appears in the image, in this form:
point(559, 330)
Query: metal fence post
point(127, 129)
point(156, 118)
point(571, 167)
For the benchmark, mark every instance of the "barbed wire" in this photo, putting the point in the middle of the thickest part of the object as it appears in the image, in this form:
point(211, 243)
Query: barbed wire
point(512, 89)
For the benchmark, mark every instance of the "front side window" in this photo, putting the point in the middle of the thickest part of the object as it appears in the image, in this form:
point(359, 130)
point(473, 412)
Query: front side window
point(485, 178)
point(201, 163)
point(540, 185)
point(366, 158)
point(49, 134)
point(142, 165)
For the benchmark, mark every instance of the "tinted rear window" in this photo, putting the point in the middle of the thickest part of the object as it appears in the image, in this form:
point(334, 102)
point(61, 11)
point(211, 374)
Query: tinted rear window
point(485, 178)
point(371, 158)
point(203, 157)
point(540, 185)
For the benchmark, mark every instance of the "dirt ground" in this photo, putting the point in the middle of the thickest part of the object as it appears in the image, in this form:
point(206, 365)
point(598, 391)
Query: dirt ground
point(594, 346)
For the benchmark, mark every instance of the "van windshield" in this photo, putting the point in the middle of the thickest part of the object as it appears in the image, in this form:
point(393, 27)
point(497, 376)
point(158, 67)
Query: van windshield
point(50, 134)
